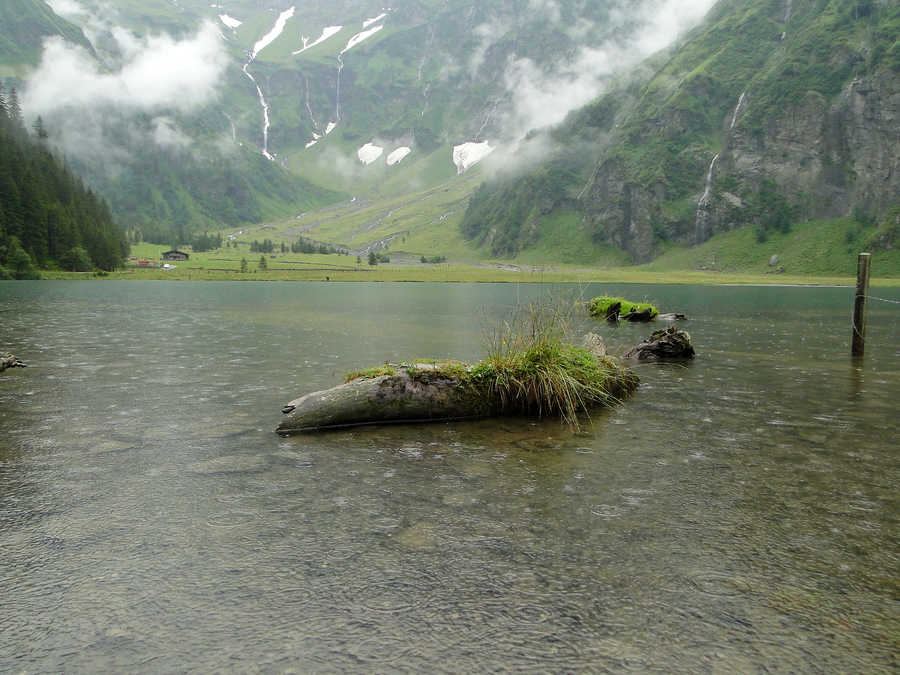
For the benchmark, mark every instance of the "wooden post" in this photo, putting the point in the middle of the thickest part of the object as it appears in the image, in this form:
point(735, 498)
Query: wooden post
point(858, 345)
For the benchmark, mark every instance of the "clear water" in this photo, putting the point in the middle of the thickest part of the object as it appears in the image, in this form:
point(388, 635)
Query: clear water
point(739, 513)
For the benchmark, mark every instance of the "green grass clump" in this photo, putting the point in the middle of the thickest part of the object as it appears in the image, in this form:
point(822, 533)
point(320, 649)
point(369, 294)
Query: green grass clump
point(371, 373)
point(530, 370)
point(599, 305)
point(552, 379)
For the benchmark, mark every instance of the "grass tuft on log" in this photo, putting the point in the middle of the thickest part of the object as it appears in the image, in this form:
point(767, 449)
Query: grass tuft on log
point(531, 369)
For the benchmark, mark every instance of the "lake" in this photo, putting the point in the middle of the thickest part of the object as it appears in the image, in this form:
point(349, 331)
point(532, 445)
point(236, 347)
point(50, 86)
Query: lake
point(738, 513)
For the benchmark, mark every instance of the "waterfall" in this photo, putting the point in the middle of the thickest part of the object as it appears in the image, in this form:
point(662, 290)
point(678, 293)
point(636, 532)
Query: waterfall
point(233, 128)
point(265, 108)
point(308, 107)
point(787, 16)
point(703, 206)
point(337, 112)
point(737, 110)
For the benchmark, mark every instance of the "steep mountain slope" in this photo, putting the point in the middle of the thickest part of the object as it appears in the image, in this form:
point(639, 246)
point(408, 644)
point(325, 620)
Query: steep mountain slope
point(138, 116)
point(47, 216)
point(23, 26)
point(772, 111)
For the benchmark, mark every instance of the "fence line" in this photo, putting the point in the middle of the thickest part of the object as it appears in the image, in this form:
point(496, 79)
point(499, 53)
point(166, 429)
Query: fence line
point(893, 302)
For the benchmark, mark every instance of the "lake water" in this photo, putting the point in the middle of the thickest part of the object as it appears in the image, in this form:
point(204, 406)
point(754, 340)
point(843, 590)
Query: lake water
point(739, 513)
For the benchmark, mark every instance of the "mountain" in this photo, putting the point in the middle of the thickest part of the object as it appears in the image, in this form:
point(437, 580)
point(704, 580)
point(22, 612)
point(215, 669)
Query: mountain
point(770, 112)
point(23, 26)
point(613, 130)
point(343, 98)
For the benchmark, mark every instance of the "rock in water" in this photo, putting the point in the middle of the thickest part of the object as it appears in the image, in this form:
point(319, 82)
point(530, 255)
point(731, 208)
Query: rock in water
point(669, 343)
point(594, 344)
point(9, 361)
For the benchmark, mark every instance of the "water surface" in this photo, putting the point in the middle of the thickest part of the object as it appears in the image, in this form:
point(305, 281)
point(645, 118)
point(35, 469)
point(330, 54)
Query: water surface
point(739, 513)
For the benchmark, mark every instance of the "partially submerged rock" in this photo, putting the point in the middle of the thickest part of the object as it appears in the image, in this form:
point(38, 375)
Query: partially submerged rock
point(668, 343)
point(612, 308)
point(454, 391)
point(10, 361)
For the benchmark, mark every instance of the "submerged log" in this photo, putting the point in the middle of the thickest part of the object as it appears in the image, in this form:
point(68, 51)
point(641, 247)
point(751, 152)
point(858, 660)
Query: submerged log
point(10, 361)
point(669, 343)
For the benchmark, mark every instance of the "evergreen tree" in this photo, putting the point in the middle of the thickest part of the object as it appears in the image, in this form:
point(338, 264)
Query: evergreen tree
point(13, 110)
point(39, 129)
point(263, 265)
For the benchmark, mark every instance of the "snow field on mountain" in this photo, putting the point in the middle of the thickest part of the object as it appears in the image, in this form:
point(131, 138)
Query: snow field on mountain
point(369, 153)
point(397, 155)
point(229, 21)
point(273, 34)
point(469, 154)
point(327, 32)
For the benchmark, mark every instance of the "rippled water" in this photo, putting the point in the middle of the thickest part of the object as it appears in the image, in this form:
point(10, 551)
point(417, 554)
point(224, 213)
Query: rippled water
point(739, 513)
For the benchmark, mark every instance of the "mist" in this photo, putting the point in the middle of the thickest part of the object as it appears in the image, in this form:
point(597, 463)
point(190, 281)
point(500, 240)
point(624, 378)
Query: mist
point(541, 97)
point(144, 86)
point(158, 72)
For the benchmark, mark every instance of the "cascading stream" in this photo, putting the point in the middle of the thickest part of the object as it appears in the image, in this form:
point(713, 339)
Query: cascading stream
point(265, 109)
point(337, 109)
point(261, 44)
point(789, 5)
point(701, 222)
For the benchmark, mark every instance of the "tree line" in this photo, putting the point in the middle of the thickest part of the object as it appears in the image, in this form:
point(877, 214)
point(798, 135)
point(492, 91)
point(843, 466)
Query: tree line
point(48, 217)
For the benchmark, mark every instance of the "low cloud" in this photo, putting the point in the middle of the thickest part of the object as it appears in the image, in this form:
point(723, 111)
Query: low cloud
point(541, 96)
point(157, 72)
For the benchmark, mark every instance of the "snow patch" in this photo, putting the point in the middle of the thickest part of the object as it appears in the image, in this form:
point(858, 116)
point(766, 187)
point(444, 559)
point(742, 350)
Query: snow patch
point(229, 21)
point(327, 32)
point(397, 155)
point(468, 155)
point(369, 153)
point(329, 128)
point(369, 22)
point(273, 34)
point(312, 142)
point(359, 37)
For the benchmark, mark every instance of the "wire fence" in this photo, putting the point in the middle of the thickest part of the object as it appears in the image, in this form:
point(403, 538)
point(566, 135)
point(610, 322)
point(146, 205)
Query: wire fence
point(893, 302)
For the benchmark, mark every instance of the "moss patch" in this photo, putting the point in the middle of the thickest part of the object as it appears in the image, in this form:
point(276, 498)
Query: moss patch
point(599, 305)
point(371, 373)
point(548, 379)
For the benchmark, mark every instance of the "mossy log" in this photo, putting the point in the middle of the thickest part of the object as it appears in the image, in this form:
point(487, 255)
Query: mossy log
point(400, 397)
point(444, 392)
point(9, 361)
point(669, 343)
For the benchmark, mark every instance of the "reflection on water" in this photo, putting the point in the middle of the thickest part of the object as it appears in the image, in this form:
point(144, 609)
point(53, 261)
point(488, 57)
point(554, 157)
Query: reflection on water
point(738, 514)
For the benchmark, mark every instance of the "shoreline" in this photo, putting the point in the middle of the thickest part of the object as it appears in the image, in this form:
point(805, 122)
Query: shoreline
point(475, 274)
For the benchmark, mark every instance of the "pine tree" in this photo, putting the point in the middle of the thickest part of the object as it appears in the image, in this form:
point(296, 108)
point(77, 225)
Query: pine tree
point(39, 129)
point(13, 110)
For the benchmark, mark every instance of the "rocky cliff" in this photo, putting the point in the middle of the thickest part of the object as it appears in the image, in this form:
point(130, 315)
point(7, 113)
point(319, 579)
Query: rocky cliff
point(771, 112)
